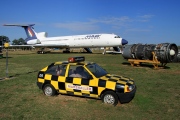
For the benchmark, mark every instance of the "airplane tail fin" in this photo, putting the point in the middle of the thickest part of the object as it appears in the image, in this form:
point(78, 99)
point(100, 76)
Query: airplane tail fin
point(31, 34)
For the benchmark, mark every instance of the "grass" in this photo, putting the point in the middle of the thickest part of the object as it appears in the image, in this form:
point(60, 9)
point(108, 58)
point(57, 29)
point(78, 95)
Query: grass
point(157, 96)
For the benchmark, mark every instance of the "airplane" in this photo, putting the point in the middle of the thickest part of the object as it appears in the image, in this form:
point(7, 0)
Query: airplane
point(40, 40)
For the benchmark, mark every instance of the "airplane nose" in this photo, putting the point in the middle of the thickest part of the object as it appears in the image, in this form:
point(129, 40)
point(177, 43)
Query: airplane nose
point(124, 42)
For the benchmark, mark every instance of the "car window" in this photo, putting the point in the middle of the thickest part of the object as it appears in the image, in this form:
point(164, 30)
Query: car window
point(96, 70)
point(78, 71)
point(58, 70)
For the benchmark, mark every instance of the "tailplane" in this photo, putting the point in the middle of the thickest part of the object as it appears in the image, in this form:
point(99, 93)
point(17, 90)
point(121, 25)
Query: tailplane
point(31, 34)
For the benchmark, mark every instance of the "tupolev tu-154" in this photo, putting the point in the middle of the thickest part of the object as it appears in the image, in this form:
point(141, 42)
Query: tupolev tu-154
point(40, 40)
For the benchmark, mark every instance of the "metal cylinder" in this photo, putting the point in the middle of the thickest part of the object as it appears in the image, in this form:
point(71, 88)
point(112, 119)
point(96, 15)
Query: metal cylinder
point(165, 52)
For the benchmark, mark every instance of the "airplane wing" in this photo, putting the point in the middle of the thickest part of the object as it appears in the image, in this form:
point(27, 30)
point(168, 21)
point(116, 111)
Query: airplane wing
point(51, 46)
point(43, 45)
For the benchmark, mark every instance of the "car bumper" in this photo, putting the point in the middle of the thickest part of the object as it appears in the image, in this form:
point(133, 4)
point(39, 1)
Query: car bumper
point(40, 85)
point(126, 97)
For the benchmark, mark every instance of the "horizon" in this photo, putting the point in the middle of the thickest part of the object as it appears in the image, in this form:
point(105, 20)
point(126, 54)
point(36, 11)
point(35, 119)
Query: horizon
point(140, 21)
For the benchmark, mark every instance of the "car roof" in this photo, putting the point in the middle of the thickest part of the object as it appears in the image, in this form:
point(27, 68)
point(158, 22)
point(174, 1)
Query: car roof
point(73, 63)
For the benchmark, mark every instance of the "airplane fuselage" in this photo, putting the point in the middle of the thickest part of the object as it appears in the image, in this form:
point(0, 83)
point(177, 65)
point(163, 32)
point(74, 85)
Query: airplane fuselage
point(90, 40)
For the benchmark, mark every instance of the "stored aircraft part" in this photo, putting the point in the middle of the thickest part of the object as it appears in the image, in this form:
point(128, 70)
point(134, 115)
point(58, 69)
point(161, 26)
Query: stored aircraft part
point(154, 61)
point(165, 52)
point(116, 49)
point(88, 50)
point(67, 50)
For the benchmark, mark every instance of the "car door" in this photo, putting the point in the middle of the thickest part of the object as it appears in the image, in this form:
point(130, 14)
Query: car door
point(55, 75)
point(79, 81)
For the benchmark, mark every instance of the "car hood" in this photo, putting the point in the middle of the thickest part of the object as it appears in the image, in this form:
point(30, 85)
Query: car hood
point(118, 79)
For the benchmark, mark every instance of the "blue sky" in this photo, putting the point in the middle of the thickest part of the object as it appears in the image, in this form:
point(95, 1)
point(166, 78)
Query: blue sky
point(138, 21)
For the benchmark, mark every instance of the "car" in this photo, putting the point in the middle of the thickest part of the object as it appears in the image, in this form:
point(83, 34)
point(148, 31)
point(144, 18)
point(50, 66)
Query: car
point(78, 77)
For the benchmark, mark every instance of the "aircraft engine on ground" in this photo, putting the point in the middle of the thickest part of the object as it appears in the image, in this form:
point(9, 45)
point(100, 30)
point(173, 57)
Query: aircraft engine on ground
point(164, 52)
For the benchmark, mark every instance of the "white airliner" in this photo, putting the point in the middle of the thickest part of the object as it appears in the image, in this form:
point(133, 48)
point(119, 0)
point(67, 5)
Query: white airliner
point(76, 41)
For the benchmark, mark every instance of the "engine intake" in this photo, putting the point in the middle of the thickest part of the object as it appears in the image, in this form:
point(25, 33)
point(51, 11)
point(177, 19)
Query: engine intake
point(165, 52)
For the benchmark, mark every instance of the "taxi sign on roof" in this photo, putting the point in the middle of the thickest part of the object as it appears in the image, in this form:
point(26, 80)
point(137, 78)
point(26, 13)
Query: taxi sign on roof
point(76, 59)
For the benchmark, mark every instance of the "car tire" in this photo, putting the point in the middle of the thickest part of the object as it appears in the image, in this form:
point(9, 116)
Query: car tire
point(109, 97)
point(49, 90)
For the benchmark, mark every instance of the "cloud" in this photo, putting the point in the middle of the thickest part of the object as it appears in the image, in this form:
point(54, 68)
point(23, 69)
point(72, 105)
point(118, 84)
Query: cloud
point(144, 18)
point(77, 26)
point(95, 24)
point(109, 23)
point(113, 21)
point(137, 30)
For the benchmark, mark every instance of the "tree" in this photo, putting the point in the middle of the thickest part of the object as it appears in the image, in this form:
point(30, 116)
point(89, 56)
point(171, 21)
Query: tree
point(15, 42)
point(19, 41)
point(3, 39)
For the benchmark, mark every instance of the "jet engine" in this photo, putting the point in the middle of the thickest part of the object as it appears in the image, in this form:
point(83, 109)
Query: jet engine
point(42, 34)
point(164, 52)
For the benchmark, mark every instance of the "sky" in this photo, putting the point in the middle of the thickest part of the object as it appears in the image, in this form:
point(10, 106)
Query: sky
point(138, 21)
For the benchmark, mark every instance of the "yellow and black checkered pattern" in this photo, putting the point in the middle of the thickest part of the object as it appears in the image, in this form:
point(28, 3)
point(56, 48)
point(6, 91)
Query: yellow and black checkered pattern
point(84, 87)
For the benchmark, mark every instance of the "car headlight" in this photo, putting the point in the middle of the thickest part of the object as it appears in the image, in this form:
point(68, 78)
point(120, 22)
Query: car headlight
point(131, 87)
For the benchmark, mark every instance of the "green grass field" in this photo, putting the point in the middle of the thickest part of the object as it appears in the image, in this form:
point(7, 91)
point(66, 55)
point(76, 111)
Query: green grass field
point(157, 96)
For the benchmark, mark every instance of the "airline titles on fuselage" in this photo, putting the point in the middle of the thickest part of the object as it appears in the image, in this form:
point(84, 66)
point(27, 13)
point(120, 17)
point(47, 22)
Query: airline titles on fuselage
point(92, 37)
point(89, 37)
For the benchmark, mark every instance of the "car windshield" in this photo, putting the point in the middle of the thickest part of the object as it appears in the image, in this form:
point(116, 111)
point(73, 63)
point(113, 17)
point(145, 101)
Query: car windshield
point(96, 70)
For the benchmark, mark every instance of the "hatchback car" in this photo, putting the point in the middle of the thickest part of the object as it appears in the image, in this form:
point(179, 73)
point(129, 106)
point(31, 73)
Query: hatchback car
point(87, 79)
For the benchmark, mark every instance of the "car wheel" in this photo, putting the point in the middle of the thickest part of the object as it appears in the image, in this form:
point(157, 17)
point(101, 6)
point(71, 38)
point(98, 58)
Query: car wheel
point(110, 97)
point(49, 90)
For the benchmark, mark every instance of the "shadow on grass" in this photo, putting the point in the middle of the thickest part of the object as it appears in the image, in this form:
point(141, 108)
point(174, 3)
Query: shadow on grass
point(16, 75)
point(146, 65)
point(5, 57)
point(87, 98)
point(69, 53)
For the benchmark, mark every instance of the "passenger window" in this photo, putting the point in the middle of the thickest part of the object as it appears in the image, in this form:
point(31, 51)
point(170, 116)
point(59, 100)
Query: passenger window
point(58, 70)
point(78, 71)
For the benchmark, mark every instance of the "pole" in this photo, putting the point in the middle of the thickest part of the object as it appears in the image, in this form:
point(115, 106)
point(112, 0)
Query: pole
point(2, 43)
point(6, 62)
point(6, 45)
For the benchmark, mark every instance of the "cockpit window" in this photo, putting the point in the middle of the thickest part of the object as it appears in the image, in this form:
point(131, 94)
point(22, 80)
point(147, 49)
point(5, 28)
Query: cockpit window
point(117, 37)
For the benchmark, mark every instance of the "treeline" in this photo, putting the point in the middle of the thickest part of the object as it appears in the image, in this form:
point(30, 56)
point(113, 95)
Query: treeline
point(3, 39)
point(19, 41)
